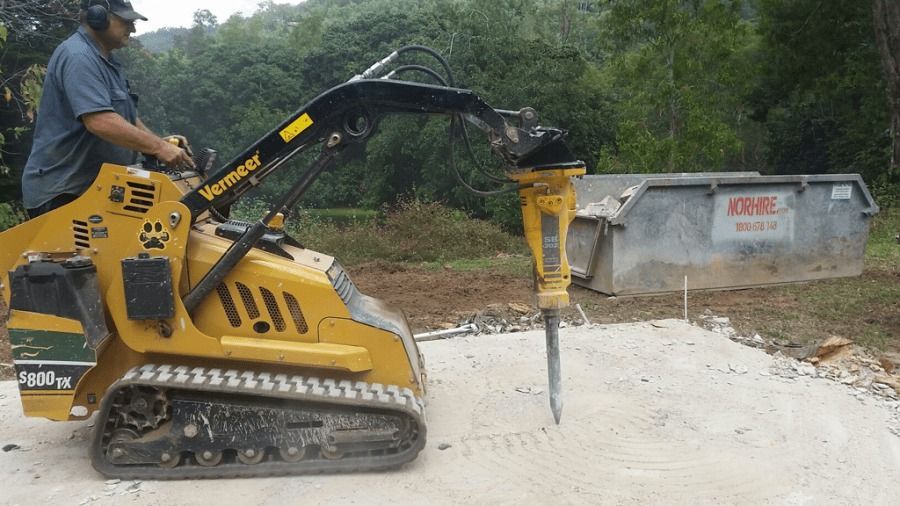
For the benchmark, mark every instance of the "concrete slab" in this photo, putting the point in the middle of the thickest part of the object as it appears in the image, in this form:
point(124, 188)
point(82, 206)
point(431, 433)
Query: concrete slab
point(655, 413)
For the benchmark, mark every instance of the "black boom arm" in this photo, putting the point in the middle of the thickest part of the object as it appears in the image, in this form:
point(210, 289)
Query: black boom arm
point(349, 114)
point(353, 110)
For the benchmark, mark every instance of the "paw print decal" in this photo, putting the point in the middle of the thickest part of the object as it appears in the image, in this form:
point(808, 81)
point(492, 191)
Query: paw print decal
point(154, 235)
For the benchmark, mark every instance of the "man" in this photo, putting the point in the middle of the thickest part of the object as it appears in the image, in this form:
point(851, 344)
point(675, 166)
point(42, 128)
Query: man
point(88, 115)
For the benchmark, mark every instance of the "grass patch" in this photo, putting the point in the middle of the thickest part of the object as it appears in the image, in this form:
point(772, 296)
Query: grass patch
point(514, 265)
point(865, 309)
point(882, 251)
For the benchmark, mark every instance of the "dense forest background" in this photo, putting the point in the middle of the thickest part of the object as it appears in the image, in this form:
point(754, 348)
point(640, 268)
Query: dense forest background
point(776, 86)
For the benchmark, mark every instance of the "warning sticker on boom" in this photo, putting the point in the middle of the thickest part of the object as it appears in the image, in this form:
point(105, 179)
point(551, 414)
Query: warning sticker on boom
point(296, 127)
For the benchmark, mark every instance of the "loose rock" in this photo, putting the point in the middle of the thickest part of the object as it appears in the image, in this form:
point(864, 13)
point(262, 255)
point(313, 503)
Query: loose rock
point(506, 318)
point(737, 368)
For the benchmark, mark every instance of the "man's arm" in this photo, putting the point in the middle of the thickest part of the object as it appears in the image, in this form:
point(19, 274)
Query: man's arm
point(140, 124)
point(113, 128)
point(180, 140)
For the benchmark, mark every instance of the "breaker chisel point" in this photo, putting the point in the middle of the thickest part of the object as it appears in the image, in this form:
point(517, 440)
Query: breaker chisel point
point(551, 328)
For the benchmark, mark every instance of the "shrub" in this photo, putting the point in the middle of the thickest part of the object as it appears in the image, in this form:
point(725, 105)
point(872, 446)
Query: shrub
point(885, 193)
point(412, 231)
point(10, 215)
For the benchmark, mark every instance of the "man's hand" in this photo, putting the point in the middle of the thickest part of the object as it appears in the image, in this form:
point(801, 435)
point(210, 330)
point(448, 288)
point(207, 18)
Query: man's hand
point(180, 141)
point(173, 156)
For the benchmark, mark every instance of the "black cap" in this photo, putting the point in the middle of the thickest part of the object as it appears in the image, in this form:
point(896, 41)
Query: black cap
point(124, 10)
point(121, 8)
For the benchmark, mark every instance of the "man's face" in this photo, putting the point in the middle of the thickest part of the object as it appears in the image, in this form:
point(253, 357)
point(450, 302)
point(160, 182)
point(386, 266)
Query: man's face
point(119, 32)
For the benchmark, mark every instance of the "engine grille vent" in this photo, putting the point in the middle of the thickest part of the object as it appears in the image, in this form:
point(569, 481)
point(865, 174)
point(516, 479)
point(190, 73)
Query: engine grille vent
point(140, 197)
point(296, 313)
point(249, 301)
point(234, 318)
point(342, 283)
point(272, 308)
point(251, 307)
point(82, 234)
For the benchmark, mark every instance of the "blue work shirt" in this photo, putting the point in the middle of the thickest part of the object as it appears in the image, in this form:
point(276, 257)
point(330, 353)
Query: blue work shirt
point(65, 156)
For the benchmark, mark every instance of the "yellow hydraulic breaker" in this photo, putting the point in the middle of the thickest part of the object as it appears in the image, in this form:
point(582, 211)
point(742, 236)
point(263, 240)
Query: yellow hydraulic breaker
point(548, 206)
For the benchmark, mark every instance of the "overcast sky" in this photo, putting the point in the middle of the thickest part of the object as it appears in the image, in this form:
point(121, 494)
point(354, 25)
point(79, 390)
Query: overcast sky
point(164, 13)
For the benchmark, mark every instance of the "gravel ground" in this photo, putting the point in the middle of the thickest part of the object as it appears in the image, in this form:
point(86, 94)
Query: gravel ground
point(655, 413)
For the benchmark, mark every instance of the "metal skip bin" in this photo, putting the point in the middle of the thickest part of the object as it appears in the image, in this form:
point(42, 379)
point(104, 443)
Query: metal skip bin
point(642, 234)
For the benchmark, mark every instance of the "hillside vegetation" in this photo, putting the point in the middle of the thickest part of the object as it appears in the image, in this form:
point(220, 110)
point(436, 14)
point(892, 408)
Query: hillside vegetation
point(779, 86)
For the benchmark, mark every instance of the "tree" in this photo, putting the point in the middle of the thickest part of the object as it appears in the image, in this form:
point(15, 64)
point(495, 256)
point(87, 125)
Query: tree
point(206, 20)
point(681, 69)
point(37, 23)
point(886, 14)
point(29, 31)
point(226, 87)
point(821, 90)
point(27, 83)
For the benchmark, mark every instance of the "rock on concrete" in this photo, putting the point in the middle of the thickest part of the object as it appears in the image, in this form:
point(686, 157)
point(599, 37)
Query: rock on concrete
point(661, 413)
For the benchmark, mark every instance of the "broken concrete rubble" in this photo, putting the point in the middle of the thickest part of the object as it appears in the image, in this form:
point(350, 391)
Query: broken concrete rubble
point(836, 359)
point(506, 318)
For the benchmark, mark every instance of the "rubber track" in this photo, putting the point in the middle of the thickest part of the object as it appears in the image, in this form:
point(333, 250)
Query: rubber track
point(263, 385)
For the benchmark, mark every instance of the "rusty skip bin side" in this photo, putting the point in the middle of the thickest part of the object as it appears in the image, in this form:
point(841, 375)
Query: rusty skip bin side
point(728, 230)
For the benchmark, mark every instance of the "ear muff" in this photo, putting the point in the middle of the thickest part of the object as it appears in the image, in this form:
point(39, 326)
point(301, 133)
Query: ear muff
point(97, 14)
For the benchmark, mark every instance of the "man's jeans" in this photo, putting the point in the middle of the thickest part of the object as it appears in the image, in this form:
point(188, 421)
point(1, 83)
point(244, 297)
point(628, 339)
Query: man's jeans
point(46, 207)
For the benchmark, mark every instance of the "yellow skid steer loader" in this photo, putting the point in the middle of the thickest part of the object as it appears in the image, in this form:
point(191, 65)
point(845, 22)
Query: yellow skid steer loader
point(215, 348)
